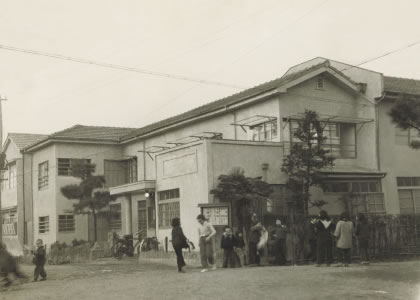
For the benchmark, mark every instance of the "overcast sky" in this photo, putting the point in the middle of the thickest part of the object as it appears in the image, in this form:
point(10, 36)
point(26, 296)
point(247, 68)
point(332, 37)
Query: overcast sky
point(237, 42)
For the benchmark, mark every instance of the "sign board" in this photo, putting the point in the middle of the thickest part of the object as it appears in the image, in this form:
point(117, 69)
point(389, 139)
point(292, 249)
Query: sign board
point(218, 216)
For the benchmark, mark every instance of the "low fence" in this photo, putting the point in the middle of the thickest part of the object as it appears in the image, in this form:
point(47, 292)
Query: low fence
point(389, 237)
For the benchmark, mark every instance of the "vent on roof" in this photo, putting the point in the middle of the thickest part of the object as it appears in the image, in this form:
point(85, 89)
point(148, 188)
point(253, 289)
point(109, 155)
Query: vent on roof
point(320, 83)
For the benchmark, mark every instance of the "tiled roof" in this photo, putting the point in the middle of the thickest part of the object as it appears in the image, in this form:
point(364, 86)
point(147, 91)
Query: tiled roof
point(23, 140)
point(93, 132)
point(212, 106)
point(88, 133)
point(401, 85)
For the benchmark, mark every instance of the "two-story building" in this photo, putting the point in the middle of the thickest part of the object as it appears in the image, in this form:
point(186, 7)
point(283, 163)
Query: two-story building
point(14, 190)
point(167, 169)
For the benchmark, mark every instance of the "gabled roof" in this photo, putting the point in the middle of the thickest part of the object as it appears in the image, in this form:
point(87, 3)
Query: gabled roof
point(236, 98)
point(401, 85)
point(86, 133)
point(23, 140)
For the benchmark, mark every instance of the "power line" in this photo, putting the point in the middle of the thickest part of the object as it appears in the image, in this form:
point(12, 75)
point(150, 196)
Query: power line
point(119, 67)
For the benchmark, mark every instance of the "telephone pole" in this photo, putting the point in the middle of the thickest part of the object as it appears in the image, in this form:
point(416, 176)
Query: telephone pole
point(2, 166)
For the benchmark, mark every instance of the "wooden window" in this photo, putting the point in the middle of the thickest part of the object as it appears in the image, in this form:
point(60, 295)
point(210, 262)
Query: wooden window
point(168, 207)
point(353, 187)
point(142, 218)
point(265, 132)
point(115, 216)
point(44, 224)
point(65, 165)
point(43, 175)
point(409, 201)
point(408, 181)
point(320, 83)
point(66, 223)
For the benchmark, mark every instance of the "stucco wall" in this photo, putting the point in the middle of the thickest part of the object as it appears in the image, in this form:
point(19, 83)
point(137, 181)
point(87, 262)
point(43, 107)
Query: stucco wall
point(184, 168)
point(335, 101)
point(395, 160)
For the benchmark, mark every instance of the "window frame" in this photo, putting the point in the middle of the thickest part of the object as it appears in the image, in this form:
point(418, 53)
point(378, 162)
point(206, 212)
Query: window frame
point(68, 169)
point(115, 225)
point(265, 132)
point(43, 178)
point(166, 199)
point(45, 224)
point(67, 228)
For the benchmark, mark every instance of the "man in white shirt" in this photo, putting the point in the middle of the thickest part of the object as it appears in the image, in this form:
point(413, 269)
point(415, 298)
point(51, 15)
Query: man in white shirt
point(206, 232)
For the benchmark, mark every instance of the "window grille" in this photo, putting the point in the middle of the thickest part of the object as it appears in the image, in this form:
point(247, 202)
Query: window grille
point(43, 175)
point(66, 223)
point(44, 224)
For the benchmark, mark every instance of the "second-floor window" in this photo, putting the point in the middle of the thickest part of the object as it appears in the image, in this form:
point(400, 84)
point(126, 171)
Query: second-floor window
point(265, 131)
point(406, 137)
point(8, 177)
point(64, 165)
point(43, 175)
point(340, 138)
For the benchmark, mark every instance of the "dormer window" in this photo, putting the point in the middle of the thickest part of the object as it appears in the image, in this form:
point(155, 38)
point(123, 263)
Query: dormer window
point(320, 83)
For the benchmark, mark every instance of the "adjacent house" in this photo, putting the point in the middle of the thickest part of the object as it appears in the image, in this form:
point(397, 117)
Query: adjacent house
point(168, 168)
point(15, 192)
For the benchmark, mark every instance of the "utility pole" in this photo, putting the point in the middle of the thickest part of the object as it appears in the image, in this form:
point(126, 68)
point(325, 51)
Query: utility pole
point(2, 166)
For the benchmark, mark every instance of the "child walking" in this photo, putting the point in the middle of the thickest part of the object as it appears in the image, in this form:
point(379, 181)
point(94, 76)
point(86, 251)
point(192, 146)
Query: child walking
point(344, 235)
point(39, 261)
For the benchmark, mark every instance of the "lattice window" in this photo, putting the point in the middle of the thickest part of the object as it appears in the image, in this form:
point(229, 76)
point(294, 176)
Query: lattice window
point(44, 224)
point(66, 223)
point(142, 218)
point(168, 211)
point(43, 175)
point(168, 207)
point(115, 217)
point(65, 165)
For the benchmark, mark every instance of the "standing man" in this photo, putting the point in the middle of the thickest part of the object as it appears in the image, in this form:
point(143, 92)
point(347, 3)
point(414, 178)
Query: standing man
point(206, 232)
point(254, 238)
point(279, 234)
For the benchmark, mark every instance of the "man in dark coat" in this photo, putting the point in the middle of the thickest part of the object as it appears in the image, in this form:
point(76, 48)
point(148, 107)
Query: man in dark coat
point(8, 266)
point(254, 238)
point(310, 235)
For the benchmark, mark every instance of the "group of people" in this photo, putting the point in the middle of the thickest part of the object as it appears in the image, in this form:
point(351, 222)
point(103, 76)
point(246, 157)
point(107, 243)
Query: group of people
point(321, 234)
point(9, 268)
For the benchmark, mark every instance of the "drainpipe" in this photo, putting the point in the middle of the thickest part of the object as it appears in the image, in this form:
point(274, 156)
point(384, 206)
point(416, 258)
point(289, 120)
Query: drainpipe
point(378, 152)
point(23, 200)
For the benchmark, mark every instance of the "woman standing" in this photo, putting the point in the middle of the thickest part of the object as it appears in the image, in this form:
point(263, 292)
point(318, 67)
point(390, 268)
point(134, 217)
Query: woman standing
point(324, 228)
point(179, 241)
point(344, 235)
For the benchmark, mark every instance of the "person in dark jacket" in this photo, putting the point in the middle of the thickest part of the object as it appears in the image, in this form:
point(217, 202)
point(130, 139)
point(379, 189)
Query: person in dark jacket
point(279, 234)
point(8, 266)
point(310, 235)
point(325, 229)
point(362, 234)
point(228, 243)
point(179, 241)
point(240, 257)
point(254, 238)
point(39, 261)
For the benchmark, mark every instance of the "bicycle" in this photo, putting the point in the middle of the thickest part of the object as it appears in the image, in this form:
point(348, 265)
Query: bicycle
point(122, 246)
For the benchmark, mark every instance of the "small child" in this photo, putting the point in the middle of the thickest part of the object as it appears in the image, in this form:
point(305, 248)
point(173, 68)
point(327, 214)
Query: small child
point(239, 250)
point(39, 261)
point(228, 243)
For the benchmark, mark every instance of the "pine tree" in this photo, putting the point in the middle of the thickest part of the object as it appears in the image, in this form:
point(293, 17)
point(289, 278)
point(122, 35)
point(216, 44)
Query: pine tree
point(306, 160)
point(406, 114)
point(89, 192)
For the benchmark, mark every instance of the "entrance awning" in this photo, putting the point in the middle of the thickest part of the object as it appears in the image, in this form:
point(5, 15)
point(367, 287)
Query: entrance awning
point(134, 187)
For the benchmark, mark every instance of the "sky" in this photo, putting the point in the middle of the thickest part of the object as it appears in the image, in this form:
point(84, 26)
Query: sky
point(235, 42)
